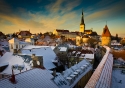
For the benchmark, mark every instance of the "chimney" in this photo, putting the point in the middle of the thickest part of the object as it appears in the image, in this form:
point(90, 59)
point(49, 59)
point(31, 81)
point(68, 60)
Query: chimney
point(40, 59)
point(54, 73)
point(36, 60)
point(12, 79)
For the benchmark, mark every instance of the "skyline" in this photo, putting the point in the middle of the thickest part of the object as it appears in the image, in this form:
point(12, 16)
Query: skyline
point(45, 16)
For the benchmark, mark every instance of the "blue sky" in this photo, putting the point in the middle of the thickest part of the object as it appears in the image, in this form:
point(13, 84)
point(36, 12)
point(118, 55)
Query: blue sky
point(47, 15)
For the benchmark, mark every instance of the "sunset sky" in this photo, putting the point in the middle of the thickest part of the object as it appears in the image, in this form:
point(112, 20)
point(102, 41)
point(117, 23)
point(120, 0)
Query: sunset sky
point(47, 15)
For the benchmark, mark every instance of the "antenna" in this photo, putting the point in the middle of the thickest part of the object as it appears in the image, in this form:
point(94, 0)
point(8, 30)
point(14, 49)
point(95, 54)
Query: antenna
point(106, 22)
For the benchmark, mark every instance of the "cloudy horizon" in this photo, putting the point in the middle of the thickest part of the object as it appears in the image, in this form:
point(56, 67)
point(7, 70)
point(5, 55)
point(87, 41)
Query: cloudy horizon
point(45, 16)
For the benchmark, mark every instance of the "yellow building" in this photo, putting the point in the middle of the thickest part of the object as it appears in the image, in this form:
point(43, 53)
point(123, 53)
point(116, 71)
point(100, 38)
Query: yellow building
point(106, 37)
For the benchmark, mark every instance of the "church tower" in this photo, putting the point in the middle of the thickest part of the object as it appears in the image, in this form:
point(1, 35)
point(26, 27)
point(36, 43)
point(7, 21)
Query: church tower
point(106, 37)
point(82, 24)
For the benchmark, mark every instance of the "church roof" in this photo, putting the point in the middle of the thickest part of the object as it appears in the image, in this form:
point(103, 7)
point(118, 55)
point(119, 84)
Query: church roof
point(88, 30)
point(58, 30)
point(93, 33)
point(106, 32)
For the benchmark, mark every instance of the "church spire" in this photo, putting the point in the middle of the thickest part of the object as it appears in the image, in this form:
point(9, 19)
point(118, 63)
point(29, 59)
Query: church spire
point(82, 19)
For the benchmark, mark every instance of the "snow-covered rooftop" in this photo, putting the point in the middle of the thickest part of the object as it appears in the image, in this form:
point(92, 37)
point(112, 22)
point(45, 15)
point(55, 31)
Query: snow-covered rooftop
point(63, 49)
point(118, 79)
point(52, 47)
point(115, 44)
point(68, 75)
point(35, 78)
point(22, 42)
point(32, 46)
point(45, 51)
point(9, 58)
point(90, 56)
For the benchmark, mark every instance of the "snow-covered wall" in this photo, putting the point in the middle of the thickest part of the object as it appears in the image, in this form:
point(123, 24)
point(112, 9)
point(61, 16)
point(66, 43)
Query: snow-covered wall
point(101, 78)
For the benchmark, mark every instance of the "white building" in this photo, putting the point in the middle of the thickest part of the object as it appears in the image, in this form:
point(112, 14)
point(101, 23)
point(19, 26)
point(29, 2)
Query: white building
point(15, 44)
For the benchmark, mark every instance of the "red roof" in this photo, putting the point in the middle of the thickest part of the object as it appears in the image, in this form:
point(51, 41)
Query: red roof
point(106, 32)
point(27, 33)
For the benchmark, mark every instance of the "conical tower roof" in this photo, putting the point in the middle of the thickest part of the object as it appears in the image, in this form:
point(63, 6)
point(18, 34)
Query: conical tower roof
point(106, 32)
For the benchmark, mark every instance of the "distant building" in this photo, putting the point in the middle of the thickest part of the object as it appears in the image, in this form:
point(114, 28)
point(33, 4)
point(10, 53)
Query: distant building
point(82, 28)
point(15, 45)
point(4, 44)
point(1, 35)
point(78, 40)
point(72, 35)
point(106, 37)
point(24, 34)
point(60, 31)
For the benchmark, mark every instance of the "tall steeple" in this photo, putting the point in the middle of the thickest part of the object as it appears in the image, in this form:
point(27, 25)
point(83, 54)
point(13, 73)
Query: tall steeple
point(82, 19)
point(82, 24)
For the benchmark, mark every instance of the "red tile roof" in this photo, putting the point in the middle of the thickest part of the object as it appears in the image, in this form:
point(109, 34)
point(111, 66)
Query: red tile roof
point(106, 32)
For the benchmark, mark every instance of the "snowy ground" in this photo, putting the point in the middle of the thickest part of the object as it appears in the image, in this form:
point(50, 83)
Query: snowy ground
point(118, 79)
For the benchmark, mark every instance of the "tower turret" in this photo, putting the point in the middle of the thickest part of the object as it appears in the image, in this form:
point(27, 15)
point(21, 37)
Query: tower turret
point(106, 36)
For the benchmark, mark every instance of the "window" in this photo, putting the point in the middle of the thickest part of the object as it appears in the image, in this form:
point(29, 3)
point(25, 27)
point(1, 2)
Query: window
point(16, 46)
point(11, 46)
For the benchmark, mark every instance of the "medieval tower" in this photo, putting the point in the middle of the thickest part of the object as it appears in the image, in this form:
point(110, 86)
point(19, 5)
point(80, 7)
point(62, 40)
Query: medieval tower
point(106, 37)
point(82, 24)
